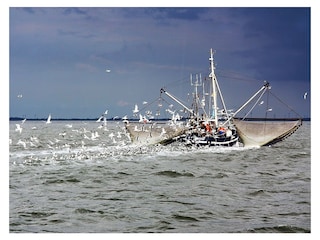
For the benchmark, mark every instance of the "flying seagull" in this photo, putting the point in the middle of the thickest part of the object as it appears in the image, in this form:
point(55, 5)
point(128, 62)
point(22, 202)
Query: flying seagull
point(48, 119)
point(136, 109)
point(18, 128)
point(305, 95)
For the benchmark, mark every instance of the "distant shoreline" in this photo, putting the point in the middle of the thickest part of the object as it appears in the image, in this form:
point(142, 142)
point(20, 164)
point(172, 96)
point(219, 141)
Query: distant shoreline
point(78, 119)
point(134, 119)
point(67, 119)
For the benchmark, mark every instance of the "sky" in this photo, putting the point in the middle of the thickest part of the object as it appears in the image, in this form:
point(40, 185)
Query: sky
point(58, 56)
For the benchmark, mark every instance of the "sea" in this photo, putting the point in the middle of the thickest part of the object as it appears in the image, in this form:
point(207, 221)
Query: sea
point(82, 177)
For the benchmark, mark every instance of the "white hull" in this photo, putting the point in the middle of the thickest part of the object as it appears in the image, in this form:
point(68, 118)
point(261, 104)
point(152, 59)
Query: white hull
point(215, 141)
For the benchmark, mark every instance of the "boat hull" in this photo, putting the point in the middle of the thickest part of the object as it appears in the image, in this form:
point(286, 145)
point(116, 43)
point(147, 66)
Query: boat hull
point(197, 138)
point(210, 141)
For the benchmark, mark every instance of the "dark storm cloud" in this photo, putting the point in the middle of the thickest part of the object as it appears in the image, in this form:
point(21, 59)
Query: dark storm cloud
point(189, 14)
point(287, 45)
point(69, 49)
point(28, 10)
point(75, 10)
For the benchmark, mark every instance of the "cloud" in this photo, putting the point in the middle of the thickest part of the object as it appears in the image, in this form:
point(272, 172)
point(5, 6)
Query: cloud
point(122, 103)
point(29, 10)
point(74, 10)
point(86, 67)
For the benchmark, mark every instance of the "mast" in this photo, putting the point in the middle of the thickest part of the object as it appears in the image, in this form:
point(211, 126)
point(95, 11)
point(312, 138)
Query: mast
point(197, 103)
point(214, 90)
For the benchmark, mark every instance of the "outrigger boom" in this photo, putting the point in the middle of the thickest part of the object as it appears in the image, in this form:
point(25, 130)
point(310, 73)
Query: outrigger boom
point(176, 100)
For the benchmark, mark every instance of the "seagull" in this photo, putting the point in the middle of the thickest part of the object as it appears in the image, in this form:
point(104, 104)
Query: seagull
point(48, 119)
point(144, 102)
point(23, 121)
point(149, 113)
point(125, 119)
point(93, 136)
point(22, 143)
point(19, 96)
point(136, 129)
point(135, 110)
point(18, 128)
point(62, 134)
point(163, 131)
point(118, 134)
point(305, 95)
point(99, 119)
point(170, 111)
point(143, 119)
point(108, 70)
point(96, 134)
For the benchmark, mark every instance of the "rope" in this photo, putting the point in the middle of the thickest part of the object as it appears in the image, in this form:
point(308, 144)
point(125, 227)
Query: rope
point(285, 104)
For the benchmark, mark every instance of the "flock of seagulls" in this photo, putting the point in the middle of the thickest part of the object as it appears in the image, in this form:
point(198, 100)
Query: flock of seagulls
point(70, 138)
point(19, 127)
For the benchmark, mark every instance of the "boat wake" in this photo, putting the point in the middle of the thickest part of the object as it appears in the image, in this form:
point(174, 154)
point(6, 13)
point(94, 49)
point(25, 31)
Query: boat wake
point(39, 151)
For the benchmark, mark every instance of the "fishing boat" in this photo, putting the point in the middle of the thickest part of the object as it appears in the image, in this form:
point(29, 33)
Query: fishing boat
point(208, 124)
point(204, 124)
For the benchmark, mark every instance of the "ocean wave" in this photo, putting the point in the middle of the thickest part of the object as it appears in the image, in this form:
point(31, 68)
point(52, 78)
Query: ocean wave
point(173, 173)
point(280, 229)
